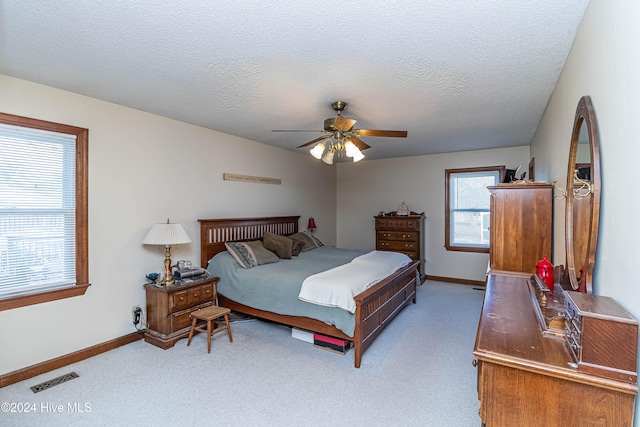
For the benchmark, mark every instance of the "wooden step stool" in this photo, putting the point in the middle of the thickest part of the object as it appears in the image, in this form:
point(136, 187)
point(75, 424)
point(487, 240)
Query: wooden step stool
point(211, 314)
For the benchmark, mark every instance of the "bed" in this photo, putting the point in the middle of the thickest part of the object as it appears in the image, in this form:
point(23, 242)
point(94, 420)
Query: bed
point(374, 308)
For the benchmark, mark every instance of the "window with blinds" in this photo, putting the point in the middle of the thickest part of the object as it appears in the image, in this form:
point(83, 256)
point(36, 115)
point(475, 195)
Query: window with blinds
point(37, 209)
point(40, 242)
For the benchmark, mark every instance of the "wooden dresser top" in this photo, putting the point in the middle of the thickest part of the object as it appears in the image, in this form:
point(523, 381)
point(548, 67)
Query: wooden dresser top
point(509, 334)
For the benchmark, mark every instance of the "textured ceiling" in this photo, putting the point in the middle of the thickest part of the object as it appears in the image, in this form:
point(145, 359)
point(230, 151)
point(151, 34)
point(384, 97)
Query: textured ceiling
point(457, 75)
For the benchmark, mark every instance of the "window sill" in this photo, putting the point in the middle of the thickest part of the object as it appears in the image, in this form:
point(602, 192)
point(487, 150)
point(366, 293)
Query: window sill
point(467, 249)
point(37, 298)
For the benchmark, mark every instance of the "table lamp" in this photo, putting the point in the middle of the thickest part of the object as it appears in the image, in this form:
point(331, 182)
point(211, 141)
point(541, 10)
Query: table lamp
point(312, 224)
point(166, 235)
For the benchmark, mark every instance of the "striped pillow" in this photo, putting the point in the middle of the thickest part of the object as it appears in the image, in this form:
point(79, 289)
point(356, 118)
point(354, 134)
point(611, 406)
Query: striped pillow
point(250, 254)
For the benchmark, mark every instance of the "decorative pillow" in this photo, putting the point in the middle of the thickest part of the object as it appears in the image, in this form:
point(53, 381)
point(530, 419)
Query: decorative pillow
point(310, 242)
point(297, 247)
point(250, 254)
point(280, 245)
point(318, 242)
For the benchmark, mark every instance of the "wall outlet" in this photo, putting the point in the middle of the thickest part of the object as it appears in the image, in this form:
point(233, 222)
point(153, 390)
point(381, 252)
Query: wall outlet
point(136, 312)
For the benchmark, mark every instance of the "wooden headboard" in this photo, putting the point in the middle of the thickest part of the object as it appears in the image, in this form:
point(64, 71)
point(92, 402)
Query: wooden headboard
point(215, 232)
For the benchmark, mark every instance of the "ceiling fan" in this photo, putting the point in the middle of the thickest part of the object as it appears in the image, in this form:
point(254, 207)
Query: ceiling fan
point(341, 137)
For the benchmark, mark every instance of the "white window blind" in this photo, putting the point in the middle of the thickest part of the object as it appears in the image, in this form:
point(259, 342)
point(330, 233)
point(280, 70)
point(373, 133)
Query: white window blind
point(37, 210)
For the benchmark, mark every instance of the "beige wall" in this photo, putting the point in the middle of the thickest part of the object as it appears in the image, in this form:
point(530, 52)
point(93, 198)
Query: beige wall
point(368, 187)
point(144, 169)
point(604, 63)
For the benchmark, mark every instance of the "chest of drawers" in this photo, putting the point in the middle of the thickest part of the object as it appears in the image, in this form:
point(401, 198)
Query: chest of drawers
point(169, 307)
point(402, 234)
point(521, 229)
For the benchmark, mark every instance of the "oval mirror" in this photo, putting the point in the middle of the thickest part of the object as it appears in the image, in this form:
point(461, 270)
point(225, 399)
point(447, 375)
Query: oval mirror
point(583, 198)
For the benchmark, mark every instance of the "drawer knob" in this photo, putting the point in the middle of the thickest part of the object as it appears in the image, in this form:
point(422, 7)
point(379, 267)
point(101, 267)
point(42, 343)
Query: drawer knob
point(474, 363)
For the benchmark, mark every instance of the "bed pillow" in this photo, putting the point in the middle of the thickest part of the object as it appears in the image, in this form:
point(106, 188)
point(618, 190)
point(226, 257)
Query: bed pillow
point(297, 247)
point(310, 241)
point(250, 254)
point(280, 245)
point(319, 244)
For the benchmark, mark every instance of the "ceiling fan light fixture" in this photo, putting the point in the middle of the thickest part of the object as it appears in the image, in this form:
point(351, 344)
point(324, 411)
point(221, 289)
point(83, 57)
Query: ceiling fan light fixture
point(328, 158)
point(318, 150)
point(351, 149)
point(340, 138)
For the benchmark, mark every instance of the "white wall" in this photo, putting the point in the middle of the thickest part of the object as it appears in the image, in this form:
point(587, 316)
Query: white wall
point(368, 187)
point(144, 169)
point(604, 63)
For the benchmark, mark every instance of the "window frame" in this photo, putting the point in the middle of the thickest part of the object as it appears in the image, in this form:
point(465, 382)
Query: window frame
point(447, 206)
point(82, 214)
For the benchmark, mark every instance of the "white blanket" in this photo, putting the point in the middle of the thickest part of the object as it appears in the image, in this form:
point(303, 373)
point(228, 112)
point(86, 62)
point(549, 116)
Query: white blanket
point(338, 287)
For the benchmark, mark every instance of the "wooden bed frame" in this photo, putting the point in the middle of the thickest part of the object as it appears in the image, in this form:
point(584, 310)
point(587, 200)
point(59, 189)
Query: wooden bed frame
point(375, 307)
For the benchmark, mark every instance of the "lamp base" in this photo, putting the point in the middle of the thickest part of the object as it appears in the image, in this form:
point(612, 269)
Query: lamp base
point(167, 280)
point(164, 284)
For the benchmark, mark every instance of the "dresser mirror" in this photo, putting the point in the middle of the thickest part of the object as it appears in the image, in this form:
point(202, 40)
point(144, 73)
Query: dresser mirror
point(583, 198)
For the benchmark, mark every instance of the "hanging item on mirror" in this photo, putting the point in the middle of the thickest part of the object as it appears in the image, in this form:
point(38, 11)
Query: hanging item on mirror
point(403, 209)
point(544, 269)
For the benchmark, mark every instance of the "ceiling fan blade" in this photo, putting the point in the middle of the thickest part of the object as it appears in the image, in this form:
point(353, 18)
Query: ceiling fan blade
point(313, 141)
point(359, 143)
point(295, 130)
point(343, 123)
point(387, 133)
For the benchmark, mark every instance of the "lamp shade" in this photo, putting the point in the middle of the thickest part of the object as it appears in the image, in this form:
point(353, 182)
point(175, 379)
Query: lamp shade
point(350, 149)
point(358, 156)
point(328, 158)
point(318, 150)
point(166, 234)
point(312, 224)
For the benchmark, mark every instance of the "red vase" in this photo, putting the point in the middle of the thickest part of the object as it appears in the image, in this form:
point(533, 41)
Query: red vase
point(544, 269)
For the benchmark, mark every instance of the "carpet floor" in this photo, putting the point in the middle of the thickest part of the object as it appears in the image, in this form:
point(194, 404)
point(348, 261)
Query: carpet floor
point(418, 372)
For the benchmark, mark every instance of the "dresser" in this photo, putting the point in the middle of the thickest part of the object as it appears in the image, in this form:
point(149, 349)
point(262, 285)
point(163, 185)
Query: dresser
point(404, 234)
point(169, 307)
point(529, 378)
point(521, 226)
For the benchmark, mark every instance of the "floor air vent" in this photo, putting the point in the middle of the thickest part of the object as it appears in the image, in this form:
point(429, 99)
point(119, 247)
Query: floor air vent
point(48, 384)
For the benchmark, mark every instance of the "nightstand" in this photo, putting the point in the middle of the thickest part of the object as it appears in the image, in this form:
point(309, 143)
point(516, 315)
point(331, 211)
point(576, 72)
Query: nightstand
point(169, 308)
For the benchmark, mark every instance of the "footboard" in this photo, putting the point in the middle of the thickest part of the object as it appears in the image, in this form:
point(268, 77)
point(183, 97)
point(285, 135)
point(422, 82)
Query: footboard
point(378, 305)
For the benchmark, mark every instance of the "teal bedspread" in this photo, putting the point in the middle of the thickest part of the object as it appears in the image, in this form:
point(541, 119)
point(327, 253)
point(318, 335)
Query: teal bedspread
point(275, 287)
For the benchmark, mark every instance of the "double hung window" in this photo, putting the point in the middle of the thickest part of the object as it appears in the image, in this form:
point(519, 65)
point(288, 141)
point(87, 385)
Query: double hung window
point(467, 206)
point(43, 211)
